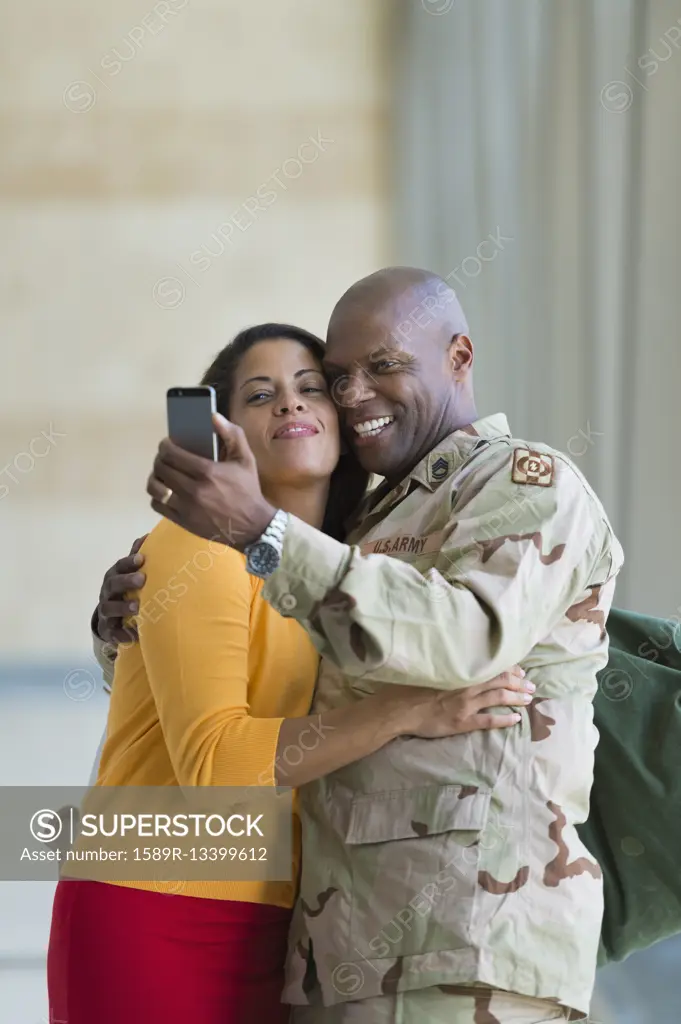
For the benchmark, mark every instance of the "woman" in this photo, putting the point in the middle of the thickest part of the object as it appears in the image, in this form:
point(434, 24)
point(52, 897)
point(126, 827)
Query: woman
point(215, 693)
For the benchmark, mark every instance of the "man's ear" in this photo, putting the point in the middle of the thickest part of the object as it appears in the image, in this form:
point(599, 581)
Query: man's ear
point(461, 356)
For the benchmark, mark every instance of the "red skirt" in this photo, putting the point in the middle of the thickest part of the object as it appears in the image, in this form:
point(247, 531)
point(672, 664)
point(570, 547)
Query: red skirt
point(129, 956)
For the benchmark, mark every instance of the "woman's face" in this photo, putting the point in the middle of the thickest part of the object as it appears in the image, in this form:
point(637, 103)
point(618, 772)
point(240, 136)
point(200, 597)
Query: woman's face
point(281, 401)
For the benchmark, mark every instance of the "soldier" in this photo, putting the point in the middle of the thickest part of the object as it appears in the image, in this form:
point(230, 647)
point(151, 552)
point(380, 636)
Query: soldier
point(443, 880)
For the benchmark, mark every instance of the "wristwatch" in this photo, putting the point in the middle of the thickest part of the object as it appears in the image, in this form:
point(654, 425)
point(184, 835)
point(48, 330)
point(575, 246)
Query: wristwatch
point(264, 554)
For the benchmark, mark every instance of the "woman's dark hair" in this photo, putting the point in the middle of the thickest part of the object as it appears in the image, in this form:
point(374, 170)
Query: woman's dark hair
point(348, 480)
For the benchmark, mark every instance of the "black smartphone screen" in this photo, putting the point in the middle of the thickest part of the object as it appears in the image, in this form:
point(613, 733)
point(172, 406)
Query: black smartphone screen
point(190, 423)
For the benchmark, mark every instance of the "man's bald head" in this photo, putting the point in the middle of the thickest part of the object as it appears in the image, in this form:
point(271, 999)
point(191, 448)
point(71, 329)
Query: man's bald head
point(400, 363)
point(412, 299)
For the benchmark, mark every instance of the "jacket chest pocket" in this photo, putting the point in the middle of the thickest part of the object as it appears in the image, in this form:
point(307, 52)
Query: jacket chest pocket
point(414, 861)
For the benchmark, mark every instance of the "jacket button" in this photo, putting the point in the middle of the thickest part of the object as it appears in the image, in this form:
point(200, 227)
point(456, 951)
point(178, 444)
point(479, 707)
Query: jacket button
point(288, 603)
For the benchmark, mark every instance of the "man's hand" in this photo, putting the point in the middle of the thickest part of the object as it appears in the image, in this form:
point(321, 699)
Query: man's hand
point(437, 713)
point(113, 608)
point(220, 501)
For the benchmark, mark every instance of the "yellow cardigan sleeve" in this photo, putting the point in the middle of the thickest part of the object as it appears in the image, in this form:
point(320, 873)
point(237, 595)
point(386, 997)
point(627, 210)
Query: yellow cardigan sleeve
point(194, 635)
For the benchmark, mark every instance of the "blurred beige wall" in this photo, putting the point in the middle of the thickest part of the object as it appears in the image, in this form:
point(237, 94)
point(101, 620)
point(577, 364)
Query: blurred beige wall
point(170, 172)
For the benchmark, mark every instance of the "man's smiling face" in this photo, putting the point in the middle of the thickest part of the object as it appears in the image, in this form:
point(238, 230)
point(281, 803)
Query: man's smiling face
point(394, 388)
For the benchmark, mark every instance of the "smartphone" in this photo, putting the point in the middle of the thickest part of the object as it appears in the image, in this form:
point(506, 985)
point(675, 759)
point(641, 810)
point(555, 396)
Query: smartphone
point(190, 423)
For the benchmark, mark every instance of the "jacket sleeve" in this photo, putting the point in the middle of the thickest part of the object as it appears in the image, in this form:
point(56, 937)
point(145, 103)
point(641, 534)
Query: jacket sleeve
point(513, 559)
point(106, 657)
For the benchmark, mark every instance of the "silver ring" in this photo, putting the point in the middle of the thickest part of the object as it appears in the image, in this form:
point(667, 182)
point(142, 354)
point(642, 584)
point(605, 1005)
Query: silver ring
point(166, 497)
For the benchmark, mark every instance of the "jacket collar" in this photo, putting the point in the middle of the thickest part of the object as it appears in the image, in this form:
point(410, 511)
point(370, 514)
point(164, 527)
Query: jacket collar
point(447, 457)
point(456, 448)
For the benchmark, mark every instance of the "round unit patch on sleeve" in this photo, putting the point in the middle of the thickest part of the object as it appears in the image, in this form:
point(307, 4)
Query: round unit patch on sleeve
point(532, 468)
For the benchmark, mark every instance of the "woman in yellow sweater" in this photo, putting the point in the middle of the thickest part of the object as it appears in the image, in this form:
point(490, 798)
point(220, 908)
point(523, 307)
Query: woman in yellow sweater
point(216, 693)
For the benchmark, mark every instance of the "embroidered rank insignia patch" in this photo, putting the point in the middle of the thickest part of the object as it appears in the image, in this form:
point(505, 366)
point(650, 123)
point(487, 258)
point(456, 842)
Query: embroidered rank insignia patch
point(440, 468)
point(532, 468)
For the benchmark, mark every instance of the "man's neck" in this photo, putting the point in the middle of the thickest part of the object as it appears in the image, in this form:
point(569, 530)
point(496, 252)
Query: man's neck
point(307, 503)
point(444, 428)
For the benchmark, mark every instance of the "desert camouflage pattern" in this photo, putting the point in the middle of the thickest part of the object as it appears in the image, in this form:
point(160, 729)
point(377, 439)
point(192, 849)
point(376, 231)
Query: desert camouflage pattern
point(442, 1004)
point(106, 656)
point(456, 861)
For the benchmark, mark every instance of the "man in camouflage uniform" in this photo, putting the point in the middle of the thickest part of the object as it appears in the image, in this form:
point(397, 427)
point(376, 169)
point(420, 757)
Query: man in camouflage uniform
point(442, 880)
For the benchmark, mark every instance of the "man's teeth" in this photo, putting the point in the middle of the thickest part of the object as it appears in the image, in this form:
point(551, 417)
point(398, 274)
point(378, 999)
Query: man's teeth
point(372, 426)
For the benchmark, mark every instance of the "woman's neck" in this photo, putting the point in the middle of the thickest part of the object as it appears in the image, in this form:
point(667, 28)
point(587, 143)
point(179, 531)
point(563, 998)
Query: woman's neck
point(307, 503)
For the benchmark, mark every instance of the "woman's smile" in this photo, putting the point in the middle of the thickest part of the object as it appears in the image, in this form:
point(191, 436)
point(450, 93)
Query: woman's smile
point(294, 429)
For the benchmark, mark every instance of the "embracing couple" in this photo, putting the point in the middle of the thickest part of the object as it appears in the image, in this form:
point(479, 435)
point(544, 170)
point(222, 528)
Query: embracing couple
point(459, 609)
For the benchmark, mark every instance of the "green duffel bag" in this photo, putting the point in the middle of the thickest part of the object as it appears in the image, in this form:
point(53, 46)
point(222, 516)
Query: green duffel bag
point(634, 824)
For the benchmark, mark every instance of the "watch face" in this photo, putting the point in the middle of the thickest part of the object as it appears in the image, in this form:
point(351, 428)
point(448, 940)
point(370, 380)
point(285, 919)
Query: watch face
point(263, 559)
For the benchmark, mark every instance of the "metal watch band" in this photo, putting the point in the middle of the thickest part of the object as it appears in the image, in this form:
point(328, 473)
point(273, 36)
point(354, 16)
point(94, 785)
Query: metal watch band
point(274, 534)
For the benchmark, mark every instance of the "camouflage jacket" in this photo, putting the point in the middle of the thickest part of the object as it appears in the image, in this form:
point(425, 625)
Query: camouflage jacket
point(457, 860)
